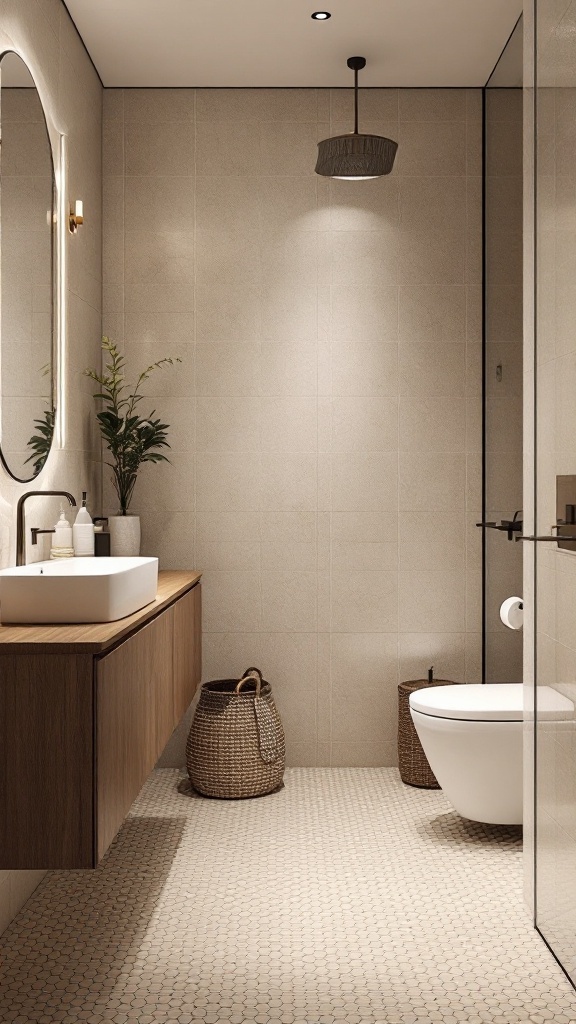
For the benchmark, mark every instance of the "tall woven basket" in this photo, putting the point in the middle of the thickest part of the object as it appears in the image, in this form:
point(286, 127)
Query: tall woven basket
point(236, 745)
point(412, 761)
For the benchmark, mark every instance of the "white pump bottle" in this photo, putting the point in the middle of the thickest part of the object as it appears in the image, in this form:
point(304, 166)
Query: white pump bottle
point(83, 532)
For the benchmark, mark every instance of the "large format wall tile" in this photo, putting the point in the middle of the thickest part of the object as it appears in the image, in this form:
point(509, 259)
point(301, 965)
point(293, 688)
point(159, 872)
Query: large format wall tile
point(432, 540)
point(432, 313)
point(433, 481)
point(431, 601)
point(364, 425)
point(437, 148)
point(318, 417)
point(432, 371)
point(145, 151)
point(364, 369)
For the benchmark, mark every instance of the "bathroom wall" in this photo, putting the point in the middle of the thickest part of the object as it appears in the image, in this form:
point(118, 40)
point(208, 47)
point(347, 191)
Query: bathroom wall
point(550, 385)
point(45, 37)
point(326, 417)
point(503, 291)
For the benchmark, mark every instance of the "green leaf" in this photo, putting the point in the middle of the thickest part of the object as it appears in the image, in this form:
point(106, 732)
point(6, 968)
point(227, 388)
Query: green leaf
point(131, 439)
point(41, 443)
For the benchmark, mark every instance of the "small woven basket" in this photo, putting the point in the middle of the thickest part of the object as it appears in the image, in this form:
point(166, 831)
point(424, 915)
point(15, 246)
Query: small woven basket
point(236, 745)
point(412, 761)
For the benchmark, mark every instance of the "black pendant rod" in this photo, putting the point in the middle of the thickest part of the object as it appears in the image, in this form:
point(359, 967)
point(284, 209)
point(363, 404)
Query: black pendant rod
point(356, 64)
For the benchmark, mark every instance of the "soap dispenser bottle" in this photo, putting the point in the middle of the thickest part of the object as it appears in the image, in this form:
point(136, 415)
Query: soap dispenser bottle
point(62, 544)
point(83, 532)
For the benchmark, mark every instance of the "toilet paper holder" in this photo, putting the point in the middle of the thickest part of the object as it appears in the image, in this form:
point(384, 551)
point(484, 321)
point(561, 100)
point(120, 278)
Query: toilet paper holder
point(512, 612)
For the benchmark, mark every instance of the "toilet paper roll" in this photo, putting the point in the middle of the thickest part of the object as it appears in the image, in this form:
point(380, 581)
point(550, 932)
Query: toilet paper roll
point(512, 612)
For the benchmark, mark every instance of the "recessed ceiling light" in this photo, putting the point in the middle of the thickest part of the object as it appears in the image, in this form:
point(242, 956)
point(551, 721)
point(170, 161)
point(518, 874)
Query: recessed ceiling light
point(321, 15)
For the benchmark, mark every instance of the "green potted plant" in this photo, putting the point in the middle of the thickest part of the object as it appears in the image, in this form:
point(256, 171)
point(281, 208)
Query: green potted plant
point(131, 439)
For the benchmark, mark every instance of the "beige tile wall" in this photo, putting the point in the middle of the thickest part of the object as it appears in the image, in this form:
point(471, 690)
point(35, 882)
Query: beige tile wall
point(504, 350)
point(326, 438)
point(72, 96)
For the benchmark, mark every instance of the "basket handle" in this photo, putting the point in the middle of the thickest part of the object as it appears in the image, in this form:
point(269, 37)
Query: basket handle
point(254, 671)
point(251, 675)
point(265, 726)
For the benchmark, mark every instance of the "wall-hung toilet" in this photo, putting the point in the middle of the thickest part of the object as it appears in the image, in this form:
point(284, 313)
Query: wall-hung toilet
point(472, 737)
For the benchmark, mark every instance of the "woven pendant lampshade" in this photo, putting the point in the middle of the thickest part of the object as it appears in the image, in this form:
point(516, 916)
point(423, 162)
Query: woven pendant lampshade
point(356, 156)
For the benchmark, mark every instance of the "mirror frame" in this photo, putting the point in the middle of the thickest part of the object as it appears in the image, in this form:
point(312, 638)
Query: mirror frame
point(58, 158)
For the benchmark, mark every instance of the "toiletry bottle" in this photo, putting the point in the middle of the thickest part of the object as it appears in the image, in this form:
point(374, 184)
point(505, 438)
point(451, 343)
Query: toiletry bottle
point(83, 532)
point(62, 544)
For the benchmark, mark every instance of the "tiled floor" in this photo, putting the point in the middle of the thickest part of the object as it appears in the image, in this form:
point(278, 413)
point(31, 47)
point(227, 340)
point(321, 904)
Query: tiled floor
point(344, 897)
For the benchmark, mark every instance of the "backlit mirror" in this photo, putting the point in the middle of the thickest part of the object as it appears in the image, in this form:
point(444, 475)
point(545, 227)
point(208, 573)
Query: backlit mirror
point(27, 259)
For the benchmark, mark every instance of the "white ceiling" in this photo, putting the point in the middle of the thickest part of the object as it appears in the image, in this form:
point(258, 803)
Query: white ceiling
point(276, 43)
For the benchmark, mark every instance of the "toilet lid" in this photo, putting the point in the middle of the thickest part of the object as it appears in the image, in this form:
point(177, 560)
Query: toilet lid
point(488, 702)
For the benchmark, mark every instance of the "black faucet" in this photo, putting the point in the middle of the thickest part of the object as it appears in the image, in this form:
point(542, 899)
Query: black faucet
point(20, 538)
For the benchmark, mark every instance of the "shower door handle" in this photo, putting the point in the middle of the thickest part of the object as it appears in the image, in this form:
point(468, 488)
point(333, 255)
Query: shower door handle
point(556, 539)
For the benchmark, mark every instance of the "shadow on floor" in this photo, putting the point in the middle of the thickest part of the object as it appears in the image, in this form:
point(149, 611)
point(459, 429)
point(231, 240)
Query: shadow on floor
point(185, 788)
point(82, 930)
point(452, 830)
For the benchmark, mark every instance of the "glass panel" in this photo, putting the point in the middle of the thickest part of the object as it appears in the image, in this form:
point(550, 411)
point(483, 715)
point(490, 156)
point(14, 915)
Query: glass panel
point(26, 270)
point(555, 412)
point(503, 356)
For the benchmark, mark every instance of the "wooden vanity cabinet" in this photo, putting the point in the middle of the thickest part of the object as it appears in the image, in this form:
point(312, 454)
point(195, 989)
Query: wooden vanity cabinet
point(85, 712)
point(187, 649)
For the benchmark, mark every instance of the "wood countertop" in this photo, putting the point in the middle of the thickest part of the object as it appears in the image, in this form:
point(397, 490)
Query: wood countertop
point(94, 638)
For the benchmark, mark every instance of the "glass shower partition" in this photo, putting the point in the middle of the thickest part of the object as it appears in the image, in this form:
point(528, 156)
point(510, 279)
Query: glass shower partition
point(550, 465)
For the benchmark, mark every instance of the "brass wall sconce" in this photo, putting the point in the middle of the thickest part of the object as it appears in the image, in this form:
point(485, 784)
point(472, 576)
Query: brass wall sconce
point(76, 216)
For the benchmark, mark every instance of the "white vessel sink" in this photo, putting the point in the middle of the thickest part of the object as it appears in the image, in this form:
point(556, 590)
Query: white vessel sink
point(77, 590)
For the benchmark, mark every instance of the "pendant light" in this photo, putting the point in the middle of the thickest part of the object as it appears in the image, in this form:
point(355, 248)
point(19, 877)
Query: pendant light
point(356, 157)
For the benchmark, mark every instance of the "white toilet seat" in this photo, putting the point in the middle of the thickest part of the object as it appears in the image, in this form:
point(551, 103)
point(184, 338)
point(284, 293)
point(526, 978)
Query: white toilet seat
point(489, 702)
point(472, 702)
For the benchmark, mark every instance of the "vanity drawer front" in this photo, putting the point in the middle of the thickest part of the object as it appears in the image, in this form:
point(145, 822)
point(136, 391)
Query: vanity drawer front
point(134, 719)
point(187, 650)
point(45, 761)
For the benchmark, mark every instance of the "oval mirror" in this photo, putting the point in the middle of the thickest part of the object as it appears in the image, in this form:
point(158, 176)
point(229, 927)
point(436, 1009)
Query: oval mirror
point(27, 260)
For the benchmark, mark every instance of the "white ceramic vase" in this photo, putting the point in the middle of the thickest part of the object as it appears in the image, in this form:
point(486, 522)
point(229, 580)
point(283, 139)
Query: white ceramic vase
point(124, 535)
